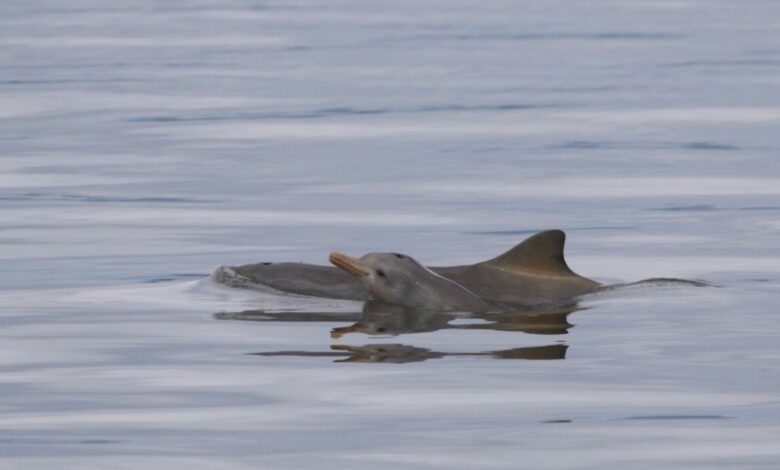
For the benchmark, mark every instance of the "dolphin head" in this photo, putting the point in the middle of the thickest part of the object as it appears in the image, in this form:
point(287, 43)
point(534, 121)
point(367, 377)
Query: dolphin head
point(390, 277)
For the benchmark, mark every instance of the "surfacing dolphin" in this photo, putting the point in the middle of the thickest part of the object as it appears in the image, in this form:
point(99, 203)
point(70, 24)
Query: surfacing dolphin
point(398, 279)
point(534, 272)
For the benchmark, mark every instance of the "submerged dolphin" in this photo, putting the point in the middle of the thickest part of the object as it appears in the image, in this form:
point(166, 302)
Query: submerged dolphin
point(534, 272)
point(400, 280)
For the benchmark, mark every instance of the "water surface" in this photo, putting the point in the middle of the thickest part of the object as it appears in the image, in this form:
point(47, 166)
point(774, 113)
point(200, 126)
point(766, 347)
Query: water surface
point(144, 145)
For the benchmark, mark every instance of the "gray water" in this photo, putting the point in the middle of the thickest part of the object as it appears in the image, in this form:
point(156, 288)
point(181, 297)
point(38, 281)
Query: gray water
point(144, 144)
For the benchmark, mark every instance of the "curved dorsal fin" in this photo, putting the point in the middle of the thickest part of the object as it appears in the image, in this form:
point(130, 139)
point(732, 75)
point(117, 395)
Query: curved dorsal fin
point(541, 253)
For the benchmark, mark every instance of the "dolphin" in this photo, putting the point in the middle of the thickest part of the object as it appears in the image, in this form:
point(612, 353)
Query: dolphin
point(532, 273)
point(398, 279)
point(294, 278)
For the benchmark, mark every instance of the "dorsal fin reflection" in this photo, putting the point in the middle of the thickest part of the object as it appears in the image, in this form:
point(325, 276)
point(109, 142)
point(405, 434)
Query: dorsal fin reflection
point(381, 319)
point(401, 354)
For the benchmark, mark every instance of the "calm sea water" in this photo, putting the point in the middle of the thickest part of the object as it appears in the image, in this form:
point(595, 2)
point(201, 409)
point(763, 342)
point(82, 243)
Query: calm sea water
point(142, 145)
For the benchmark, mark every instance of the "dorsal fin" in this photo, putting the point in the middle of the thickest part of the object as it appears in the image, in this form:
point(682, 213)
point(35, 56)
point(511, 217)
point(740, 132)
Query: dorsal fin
point(541, 253)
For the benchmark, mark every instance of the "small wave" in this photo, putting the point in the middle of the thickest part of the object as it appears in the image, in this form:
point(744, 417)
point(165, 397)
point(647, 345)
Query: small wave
point(708, 146)
point(660, 282)
point(536, 230)
point(725, 63)
point(673, 417)
point(596, 144)
point(691, 208)
point(340, 111)
point(173, 277)
point(96, 199)
point(606, 36)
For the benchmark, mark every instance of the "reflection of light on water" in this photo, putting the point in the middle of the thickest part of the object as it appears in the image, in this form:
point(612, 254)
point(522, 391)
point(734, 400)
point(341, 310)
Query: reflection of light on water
point(202, 296)
point(469, 321)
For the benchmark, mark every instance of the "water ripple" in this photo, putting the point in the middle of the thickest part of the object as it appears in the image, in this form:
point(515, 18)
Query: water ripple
point(341, 111)
point(35, 196)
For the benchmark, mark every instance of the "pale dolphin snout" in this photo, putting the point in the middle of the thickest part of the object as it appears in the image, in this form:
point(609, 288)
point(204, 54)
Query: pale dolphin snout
point(348, 264)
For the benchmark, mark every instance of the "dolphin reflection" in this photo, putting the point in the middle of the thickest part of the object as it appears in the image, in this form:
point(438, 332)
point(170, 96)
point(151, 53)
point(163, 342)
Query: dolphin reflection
point(401, 354)
point(379, 318)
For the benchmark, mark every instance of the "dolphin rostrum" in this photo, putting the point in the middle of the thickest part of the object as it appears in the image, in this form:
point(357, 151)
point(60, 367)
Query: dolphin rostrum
point(534, 272)
point(400, 280)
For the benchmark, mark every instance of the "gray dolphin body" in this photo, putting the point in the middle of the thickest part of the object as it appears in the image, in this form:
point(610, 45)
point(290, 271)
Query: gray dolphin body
point(534, 272)
point(295, 278)
point(400, 280)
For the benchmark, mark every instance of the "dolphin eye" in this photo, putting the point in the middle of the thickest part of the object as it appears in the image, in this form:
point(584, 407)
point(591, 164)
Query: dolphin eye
point(380, 273)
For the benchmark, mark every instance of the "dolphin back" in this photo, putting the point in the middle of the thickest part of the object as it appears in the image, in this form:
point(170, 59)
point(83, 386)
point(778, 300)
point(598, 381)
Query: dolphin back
point(541, 253)
point(533, 272)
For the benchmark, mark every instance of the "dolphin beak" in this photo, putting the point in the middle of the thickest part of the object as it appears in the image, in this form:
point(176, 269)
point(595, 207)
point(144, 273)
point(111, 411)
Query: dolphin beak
point(348, 264)
point(337, 333)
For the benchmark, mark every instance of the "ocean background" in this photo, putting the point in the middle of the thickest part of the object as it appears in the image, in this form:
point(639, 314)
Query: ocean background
point(144, 144)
